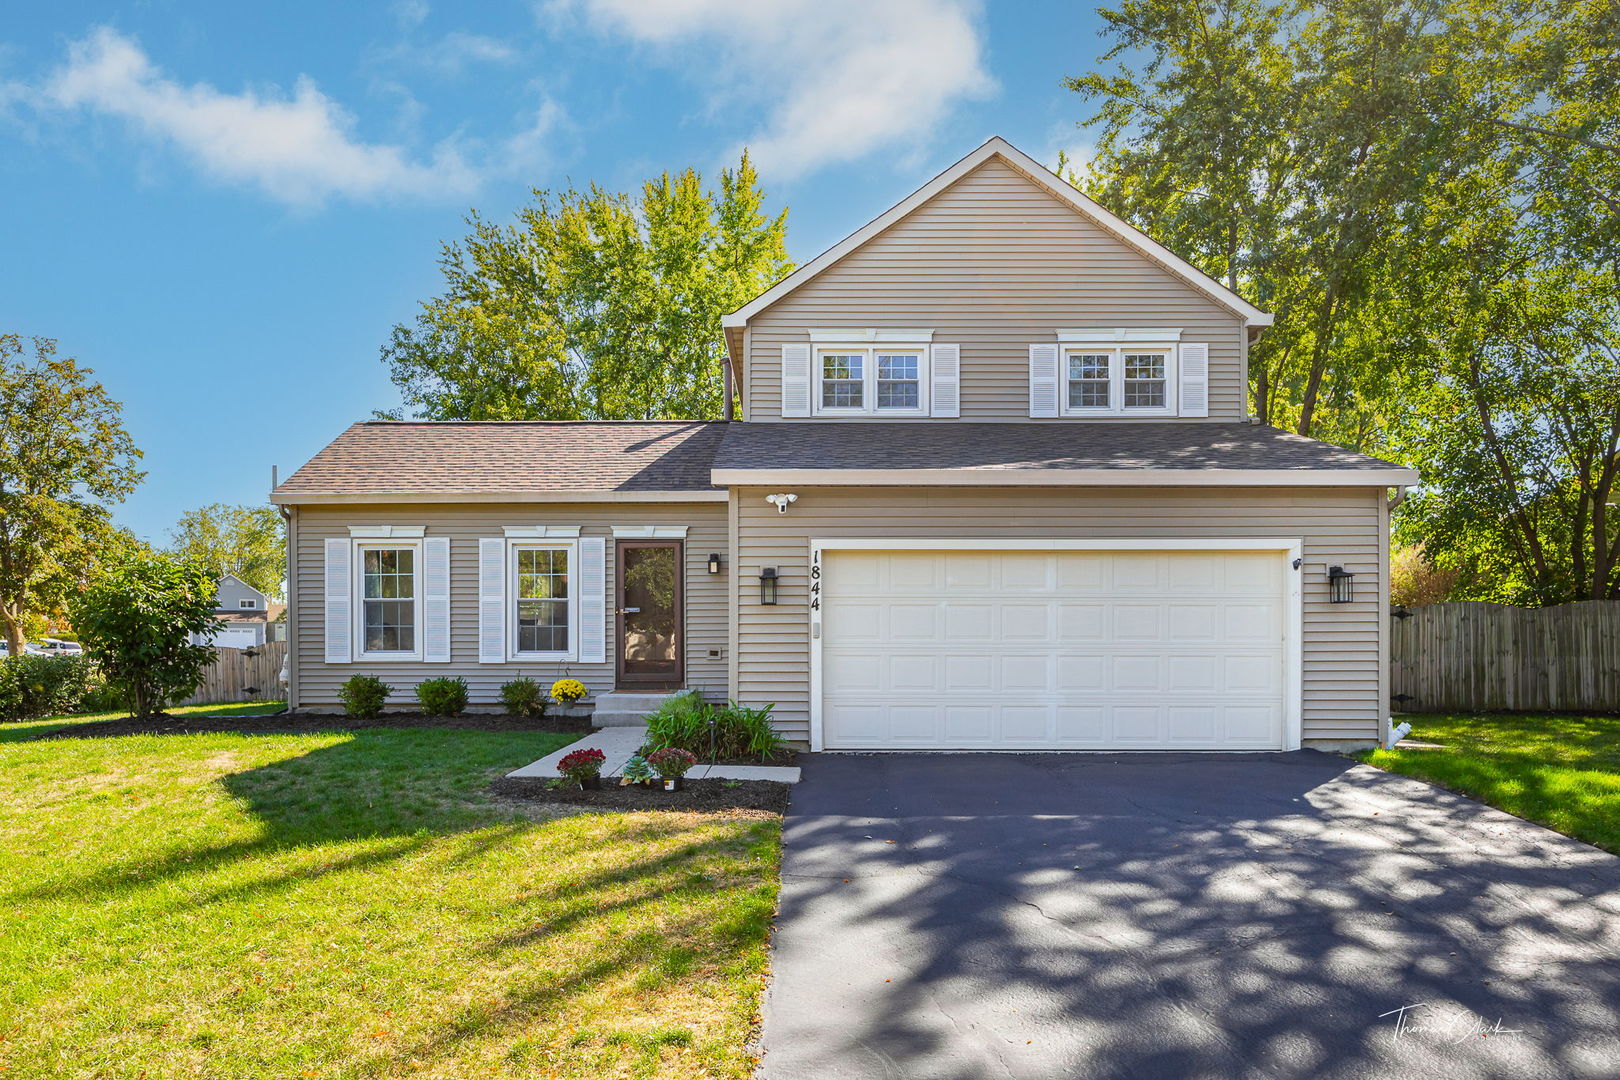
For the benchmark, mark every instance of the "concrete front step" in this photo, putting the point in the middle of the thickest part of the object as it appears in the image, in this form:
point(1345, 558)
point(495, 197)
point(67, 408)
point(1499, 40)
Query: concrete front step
point(623, 708)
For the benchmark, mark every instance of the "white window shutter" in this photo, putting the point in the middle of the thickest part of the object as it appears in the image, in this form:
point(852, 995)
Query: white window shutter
point(796, 380)
point(945, 381)
point(593, 600)
point(1194, 380)
point(339, 601)
point(436, 600)
point(491, 600)
point(1043, 380)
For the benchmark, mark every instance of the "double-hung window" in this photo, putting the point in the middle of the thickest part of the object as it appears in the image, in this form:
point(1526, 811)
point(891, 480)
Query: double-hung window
point(390, 604)
point(543, 598)
point(1119, 380)
point(871, 380)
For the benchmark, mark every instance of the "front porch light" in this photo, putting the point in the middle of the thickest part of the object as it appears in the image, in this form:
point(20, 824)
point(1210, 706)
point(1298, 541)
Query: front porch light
point(1341, 585)
point(767, 585)
point(714, 563)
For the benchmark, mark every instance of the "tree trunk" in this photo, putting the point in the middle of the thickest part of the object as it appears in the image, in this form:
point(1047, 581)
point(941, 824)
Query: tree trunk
point(14, 633)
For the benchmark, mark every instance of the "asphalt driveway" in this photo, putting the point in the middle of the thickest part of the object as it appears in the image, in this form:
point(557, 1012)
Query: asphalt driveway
point(959, 916)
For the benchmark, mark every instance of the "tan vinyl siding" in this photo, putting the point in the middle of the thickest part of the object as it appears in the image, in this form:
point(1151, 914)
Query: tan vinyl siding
point(1343, 698)
point(317, 682)
point(995, 264)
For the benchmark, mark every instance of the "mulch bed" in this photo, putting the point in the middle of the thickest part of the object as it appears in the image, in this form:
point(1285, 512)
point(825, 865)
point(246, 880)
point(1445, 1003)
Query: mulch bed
point(308, 723)
point(700, 795)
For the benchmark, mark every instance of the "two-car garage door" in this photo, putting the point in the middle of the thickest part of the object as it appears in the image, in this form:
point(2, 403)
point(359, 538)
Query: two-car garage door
point(1043, 649)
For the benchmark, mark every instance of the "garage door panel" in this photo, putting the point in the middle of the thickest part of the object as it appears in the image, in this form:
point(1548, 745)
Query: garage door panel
point(1027, 675)
point(970, 622)
point(1082, 674)
point(1082, 622)
point(915, 623)
point(1191, 724)
point(1052, 649)
point(1026, 622)
point(967, 571)
point(1138, 622)
point(970, 672)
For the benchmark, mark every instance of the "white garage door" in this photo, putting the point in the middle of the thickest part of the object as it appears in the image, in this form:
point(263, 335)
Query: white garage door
point(235, 638)
point(1003, 650)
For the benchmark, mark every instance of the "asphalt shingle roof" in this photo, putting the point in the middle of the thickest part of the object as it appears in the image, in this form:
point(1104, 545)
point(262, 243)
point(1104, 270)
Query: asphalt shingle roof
point(391, 457)
point(1011, 446)
point(403, 458)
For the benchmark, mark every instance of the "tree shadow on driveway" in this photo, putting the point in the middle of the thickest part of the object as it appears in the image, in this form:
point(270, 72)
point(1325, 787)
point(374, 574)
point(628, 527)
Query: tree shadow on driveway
point(1168, 916)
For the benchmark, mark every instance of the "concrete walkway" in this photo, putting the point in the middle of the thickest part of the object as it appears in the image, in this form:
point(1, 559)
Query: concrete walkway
point(619, 744)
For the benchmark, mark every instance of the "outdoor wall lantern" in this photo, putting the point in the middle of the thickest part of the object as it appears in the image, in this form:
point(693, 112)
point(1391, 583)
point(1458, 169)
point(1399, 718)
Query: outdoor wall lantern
point(1341, 585)
point(767, 585)
point(714, 563)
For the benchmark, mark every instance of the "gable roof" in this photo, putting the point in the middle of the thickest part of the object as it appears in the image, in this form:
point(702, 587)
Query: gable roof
point(1043, 178)
point(512, 460)
point(242, 583)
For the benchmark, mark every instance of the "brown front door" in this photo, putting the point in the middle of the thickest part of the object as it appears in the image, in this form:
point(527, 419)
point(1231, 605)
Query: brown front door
point(650, 605)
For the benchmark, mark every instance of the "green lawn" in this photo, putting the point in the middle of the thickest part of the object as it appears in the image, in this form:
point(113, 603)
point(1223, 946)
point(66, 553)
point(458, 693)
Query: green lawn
point(1561, 771)
point(354, 905)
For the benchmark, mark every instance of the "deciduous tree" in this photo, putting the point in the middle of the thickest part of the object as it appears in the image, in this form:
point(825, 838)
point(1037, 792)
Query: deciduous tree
point(592, 305)
point(247, 541)
point(64, 459)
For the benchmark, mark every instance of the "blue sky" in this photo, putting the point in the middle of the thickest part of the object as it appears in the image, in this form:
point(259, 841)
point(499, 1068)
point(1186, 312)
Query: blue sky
point(223, 208)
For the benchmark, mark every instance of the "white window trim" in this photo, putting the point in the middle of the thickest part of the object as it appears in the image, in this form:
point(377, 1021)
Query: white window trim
point(881, 337)
point(246, 604)
point(513, 546)
point(869, 379)
point(1116, 351)
point(360, 547)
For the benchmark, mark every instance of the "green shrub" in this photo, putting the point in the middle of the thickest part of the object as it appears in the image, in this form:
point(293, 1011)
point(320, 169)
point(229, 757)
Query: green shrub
point(33, 686)
point(523, 697)
point(681, 721)
point(363, 696)
point(749, 732)
point(739, 731)
point(136, 619)
point(442, 697)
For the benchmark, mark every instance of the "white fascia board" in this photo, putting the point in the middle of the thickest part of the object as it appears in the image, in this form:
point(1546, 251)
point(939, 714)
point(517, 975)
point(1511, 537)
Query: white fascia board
point(1119, 334)
point(1068, 477)
point(400, 498)
point(855, 337)
point(1042, 176)
point(1289, 544)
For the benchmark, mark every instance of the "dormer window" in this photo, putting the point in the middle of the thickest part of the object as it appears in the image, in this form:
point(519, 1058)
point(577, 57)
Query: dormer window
point(871, 380)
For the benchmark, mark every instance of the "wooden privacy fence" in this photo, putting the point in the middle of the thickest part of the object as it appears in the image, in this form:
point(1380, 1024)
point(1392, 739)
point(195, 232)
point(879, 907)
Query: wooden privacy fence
point(1463, 656)
point(242, 675)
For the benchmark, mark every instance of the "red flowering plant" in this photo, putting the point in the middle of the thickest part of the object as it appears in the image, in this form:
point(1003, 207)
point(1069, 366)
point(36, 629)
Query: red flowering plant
point(582, 764)
point(672, 763)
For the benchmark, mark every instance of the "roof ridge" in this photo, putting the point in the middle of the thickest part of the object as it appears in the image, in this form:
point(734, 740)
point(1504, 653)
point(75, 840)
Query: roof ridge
point(517, 423)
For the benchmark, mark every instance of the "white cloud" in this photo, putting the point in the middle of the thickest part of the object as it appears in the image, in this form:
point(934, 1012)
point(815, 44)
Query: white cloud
point(842, 78)
point(410, 13)
point(298, 149)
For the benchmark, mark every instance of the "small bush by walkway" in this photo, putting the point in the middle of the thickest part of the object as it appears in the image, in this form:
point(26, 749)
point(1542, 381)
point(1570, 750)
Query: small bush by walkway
point(1559, 771)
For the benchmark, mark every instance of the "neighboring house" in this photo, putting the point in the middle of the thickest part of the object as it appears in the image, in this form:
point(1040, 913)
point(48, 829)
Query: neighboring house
point(993, 487)
point(243, 613)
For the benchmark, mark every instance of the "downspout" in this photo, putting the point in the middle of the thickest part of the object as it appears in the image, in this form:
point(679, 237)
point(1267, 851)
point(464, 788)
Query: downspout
point(289, 674)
